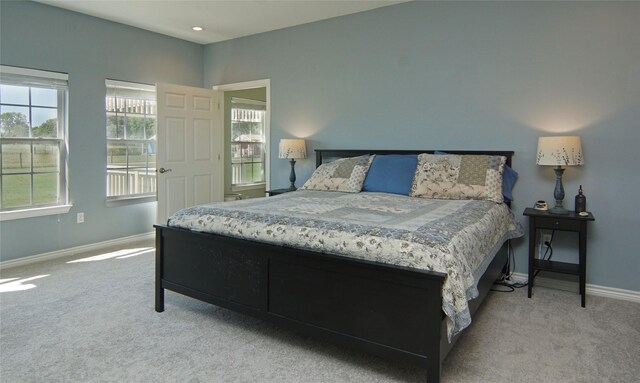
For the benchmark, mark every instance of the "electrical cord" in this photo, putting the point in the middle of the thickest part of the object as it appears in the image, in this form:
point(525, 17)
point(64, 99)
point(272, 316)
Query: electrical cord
point(505, 279)
point(549, 250)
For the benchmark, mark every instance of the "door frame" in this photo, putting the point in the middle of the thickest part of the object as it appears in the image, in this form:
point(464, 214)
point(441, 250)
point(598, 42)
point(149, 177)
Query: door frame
point(265, 83)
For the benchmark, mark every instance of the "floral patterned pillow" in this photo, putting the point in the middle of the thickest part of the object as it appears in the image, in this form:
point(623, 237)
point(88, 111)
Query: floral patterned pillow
point(345, 175)
point(454, 176)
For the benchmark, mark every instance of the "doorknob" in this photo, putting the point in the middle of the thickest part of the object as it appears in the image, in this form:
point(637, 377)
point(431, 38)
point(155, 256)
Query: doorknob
point(163, 170)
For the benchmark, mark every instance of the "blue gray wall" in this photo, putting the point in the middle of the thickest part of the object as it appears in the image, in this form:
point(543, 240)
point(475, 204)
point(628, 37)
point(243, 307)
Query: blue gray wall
point(448, 75)
point(89, 49)
point(469, 75)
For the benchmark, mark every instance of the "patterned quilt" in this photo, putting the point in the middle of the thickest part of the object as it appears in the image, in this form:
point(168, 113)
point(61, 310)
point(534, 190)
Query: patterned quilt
point(456, 237)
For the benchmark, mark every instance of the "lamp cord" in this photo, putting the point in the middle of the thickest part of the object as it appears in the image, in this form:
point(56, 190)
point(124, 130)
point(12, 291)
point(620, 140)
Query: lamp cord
point(505, 278)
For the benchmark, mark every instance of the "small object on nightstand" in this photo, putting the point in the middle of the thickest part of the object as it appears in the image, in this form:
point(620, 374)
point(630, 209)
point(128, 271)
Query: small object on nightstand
point(575, 222)
point(541, 205)
point(581, 202)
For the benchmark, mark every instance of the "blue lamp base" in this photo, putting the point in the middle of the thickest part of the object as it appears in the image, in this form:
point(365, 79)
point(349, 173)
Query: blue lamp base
point(558, 193)
point(292, 176)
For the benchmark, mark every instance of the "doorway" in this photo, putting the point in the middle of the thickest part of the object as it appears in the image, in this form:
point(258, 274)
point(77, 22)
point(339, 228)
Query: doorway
point(246, 125)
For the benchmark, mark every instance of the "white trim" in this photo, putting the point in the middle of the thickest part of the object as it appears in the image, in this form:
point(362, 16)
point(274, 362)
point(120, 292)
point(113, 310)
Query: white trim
point(124, 201)
point(244, 85)
point(596, 290)
point(129, 85)
point(266, 83)
point(9, 215)
point(33, 72)
point(241, 100)
point(75, 250)
point(258, 185)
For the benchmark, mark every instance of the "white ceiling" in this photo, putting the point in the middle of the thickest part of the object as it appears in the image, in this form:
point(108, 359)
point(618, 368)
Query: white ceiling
point(221, 19)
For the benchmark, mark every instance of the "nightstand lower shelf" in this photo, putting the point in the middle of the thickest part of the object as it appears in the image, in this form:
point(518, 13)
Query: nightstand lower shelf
point(556, 267)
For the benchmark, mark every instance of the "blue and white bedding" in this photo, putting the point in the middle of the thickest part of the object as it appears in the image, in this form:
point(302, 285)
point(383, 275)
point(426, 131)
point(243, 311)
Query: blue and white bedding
point(456, 237)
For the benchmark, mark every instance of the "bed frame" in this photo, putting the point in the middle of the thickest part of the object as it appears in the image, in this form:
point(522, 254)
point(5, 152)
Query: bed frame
point(390, 311)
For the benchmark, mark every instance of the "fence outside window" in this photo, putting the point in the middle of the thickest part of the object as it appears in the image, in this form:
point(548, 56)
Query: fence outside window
point(247, 141)
point(131, 139)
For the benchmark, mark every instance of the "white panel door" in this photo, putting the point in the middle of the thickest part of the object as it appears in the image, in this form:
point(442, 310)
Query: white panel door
point(190, 148)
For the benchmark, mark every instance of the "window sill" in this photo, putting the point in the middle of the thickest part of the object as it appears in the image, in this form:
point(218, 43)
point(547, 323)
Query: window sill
point(259, 185)
point(115, 202)
point(34, 212)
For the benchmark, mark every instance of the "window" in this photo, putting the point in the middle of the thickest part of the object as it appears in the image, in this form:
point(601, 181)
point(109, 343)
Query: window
point(131, 140)
point(247, 141)
point(33, 142)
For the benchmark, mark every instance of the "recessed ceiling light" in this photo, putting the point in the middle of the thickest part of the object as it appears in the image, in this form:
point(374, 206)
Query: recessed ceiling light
point(198, 29)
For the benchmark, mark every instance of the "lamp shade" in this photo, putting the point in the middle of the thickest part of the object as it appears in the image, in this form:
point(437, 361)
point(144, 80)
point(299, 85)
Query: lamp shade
point(292, 148)
point(560, 151)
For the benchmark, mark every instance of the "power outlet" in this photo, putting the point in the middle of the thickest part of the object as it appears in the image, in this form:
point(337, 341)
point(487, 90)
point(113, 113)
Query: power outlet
point(544, 237)
point(80, 217)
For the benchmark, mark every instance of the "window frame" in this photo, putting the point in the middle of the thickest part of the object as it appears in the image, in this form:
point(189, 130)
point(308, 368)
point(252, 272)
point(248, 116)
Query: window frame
point(34, 78)
point(263, 143)
point(126, 199)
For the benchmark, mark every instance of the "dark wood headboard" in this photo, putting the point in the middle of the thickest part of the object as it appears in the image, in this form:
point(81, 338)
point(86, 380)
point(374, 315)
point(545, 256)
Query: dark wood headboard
point(323, 154)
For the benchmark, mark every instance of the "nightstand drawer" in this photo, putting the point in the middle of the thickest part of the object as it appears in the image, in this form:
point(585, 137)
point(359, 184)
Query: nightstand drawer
point(557, 223)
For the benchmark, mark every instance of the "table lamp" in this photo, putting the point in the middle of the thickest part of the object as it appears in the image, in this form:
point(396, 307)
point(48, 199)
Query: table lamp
point(292, 148)
point(559, 151)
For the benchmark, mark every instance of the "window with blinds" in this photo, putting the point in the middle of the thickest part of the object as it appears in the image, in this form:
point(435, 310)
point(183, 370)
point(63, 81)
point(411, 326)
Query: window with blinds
point(131, 140)
point(247, 141)
point(33, 139)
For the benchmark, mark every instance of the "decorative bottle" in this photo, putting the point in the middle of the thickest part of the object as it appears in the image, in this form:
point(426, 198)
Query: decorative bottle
point(581, 201)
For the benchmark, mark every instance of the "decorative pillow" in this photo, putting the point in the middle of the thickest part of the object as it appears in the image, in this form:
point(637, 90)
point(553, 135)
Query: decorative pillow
point(392, 173)
point(509, 178)
point(345, 175)
point(454, 176)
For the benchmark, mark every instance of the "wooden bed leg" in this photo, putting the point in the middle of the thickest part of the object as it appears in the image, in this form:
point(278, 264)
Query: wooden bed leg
point(433, 370)
point(159, 298)
point(159, 289)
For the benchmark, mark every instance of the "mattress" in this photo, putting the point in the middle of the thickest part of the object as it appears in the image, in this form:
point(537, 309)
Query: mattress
point(456, 237)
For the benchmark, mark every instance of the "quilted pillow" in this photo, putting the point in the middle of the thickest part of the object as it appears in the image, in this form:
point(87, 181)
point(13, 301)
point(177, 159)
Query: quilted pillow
point(509, 178)
point(345, 175)
point(454, 176)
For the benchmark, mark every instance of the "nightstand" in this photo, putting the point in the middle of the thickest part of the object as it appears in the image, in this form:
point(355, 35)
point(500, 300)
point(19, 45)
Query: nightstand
point(539, 220)
point(278, 191)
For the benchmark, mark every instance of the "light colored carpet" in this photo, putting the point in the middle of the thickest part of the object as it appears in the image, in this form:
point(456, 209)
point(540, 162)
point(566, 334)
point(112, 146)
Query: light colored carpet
point(93, 321)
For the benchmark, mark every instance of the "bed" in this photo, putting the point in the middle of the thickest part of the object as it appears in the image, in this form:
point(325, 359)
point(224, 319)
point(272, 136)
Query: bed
point(335, 291)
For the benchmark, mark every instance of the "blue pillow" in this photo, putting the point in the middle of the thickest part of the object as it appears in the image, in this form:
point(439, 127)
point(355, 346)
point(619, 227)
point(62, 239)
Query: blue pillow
point(509, 177)
point(392, 173)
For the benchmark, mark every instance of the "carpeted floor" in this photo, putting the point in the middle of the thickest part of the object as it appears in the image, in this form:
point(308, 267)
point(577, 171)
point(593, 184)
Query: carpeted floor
point(90, 318)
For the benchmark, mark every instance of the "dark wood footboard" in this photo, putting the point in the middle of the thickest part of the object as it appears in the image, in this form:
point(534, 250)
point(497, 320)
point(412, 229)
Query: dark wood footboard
point(390, 311)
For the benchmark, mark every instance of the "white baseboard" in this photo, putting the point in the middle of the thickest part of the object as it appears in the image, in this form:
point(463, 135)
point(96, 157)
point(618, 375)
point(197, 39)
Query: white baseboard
point(75, 250)
point(597, 290)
